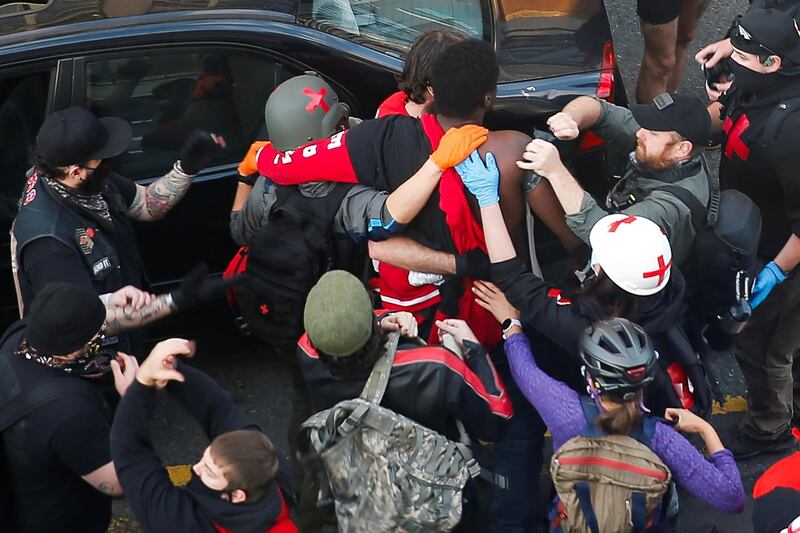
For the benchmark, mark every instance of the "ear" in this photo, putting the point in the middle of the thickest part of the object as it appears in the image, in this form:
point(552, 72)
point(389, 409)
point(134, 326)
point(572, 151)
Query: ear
point(238, 496)
point(430, 93)
point(683, 149)
point(772, 64)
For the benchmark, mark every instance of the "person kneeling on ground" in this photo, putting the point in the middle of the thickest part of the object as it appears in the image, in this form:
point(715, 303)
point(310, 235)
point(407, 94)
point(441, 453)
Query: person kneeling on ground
point(240, 483)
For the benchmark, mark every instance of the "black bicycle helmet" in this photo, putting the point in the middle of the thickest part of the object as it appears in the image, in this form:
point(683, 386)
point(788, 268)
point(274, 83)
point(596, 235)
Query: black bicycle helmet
point(617, 356)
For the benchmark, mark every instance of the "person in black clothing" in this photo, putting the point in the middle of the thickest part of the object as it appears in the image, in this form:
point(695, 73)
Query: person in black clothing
point(55, 460)
point(240, 484)
point(758, 116)
point(74, 222)
point(429, 384)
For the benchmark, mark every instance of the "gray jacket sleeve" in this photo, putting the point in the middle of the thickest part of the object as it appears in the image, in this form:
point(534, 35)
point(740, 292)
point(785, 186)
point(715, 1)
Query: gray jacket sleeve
point(617, 126)
point(363, 214)
point(672, 215)
point(255, 212)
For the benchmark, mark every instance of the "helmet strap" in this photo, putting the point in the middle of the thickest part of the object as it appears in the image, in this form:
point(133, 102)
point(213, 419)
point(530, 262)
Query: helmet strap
point(593, 391)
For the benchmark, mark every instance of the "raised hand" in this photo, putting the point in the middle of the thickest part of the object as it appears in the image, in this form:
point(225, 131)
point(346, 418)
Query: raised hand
point(160, 366)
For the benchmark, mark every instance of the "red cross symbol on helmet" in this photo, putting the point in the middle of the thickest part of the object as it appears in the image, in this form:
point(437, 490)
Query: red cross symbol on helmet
point(317, 99)
point(661, 271)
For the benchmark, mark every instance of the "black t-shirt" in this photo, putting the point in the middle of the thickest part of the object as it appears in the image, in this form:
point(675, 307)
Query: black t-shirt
point(385, 153)
point(48, 260)
point(45, 454)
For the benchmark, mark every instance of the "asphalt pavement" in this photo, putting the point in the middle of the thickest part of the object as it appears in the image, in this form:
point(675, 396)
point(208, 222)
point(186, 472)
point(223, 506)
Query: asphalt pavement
point(260, 383)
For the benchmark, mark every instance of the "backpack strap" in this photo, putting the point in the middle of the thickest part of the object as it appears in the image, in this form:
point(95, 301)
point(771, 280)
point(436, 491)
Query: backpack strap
point(585, 501)
point(639, 512)
point(696, 207)
point(379, 377)
point(702, 217)
point(590, 412)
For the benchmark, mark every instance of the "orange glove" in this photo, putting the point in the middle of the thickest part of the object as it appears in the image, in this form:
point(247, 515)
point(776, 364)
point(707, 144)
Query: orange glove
point(457, 144)
point(249, 165)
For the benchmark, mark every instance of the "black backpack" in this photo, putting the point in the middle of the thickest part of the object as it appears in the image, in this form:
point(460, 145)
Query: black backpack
point(722, 265)
point(286, 258)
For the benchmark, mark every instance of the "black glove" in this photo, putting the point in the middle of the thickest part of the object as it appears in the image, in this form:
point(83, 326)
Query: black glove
point(474, 264)
point(196, 288)
point(197, 151)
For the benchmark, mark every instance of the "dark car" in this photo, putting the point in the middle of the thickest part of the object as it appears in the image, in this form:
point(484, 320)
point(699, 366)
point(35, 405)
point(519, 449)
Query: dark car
point(169, 67)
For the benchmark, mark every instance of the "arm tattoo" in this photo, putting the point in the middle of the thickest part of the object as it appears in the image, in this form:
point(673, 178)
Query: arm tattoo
point(105, 487)
point(120, 319)
point(154, 201)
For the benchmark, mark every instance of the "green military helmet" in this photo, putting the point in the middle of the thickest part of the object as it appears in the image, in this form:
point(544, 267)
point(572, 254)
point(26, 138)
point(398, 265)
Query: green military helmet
point(303, 109)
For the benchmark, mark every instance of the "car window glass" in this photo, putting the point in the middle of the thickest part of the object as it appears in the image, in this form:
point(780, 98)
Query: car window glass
point(166, 95)
point(23, 104)
point(395, 22)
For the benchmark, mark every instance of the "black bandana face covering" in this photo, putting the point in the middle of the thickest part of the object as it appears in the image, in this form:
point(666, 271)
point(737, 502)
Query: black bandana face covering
point(93, 362)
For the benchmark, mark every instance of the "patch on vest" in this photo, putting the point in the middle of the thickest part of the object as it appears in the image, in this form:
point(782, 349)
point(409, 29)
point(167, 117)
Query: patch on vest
point(30, 192)
point(103, 264)
point(84, 238)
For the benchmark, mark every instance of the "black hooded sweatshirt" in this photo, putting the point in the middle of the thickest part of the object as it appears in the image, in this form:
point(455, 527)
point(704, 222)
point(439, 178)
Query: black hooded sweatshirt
point(157, 503)
point(764, 165)
point(554, 322)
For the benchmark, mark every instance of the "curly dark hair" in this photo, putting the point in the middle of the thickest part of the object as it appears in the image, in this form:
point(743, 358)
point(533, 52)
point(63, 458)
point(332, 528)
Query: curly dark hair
point(462, 76)
point(43, 168)
point(416, 75)
point(363, 359)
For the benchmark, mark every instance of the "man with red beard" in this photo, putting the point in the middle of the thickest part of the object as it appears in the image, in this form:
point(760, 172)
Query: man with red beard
point(666, 140)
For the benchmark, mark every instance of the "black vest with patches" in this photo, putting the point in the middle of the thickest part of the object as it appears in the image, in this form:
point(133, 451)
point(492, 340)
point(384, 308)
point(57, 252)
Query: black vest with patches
point(42, 214)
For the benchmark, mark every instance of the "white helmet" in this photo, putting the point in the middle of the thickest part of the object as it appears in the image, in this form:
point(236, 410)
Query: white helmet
point(633, 251)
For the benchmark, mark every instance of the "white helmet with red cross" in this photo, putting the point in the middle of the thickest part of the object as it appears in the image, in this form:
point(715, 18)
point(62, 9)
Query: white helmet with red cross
point(633, 251)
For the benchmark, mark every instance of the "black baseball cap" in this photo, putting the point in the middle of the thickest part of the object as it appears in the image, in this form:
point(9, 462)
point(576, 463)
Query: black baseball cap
point(768, 32)
point(75, 135)
point(677, 112)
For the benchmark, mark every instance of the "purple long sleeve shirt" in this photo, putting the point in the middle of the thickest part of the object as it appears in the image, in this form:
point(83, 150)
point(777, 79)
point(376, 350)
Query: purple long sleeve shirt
point(715, 480)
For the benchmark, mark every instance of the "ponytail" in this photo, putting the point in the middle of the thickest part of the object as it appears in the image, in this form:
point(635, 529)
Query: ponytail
point(623, 420)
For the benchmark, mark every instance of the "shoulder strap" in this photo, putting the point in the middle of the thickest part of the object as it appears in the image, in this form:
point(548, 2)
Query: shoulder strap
point(41, 394)
point(702, 217)
point(644, 433)
point(379, 377)
point(695, 206)
point(590, 412)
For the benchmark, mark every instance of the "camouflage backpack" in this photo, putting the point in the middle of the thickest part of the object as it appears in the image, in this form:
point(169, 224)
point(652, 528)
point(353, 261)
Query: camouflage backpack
point(385, 471)
point(608, 483)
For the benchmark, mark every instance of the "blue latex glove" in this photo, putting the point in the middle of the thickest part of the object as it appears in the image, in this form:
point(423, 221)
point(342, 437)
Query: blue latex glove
point(480, 178)
point(769, 276)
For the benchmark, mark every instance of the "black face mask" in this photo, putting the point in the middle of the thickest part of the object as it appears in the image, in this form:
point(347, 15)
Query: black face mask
point(202, 492)
point(750, 81)
point(96, 179)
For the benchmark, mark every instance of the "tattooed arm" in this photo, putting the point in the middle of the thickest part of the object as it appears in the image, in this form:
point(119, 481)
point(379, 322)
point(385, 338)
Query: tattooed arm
point(104, 479)
point(155, 200)
point(121, 318)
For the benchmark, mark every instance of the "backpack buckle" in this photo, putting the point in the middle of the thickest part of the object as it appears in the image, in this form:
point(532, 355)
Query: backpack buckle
point(242, 325)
